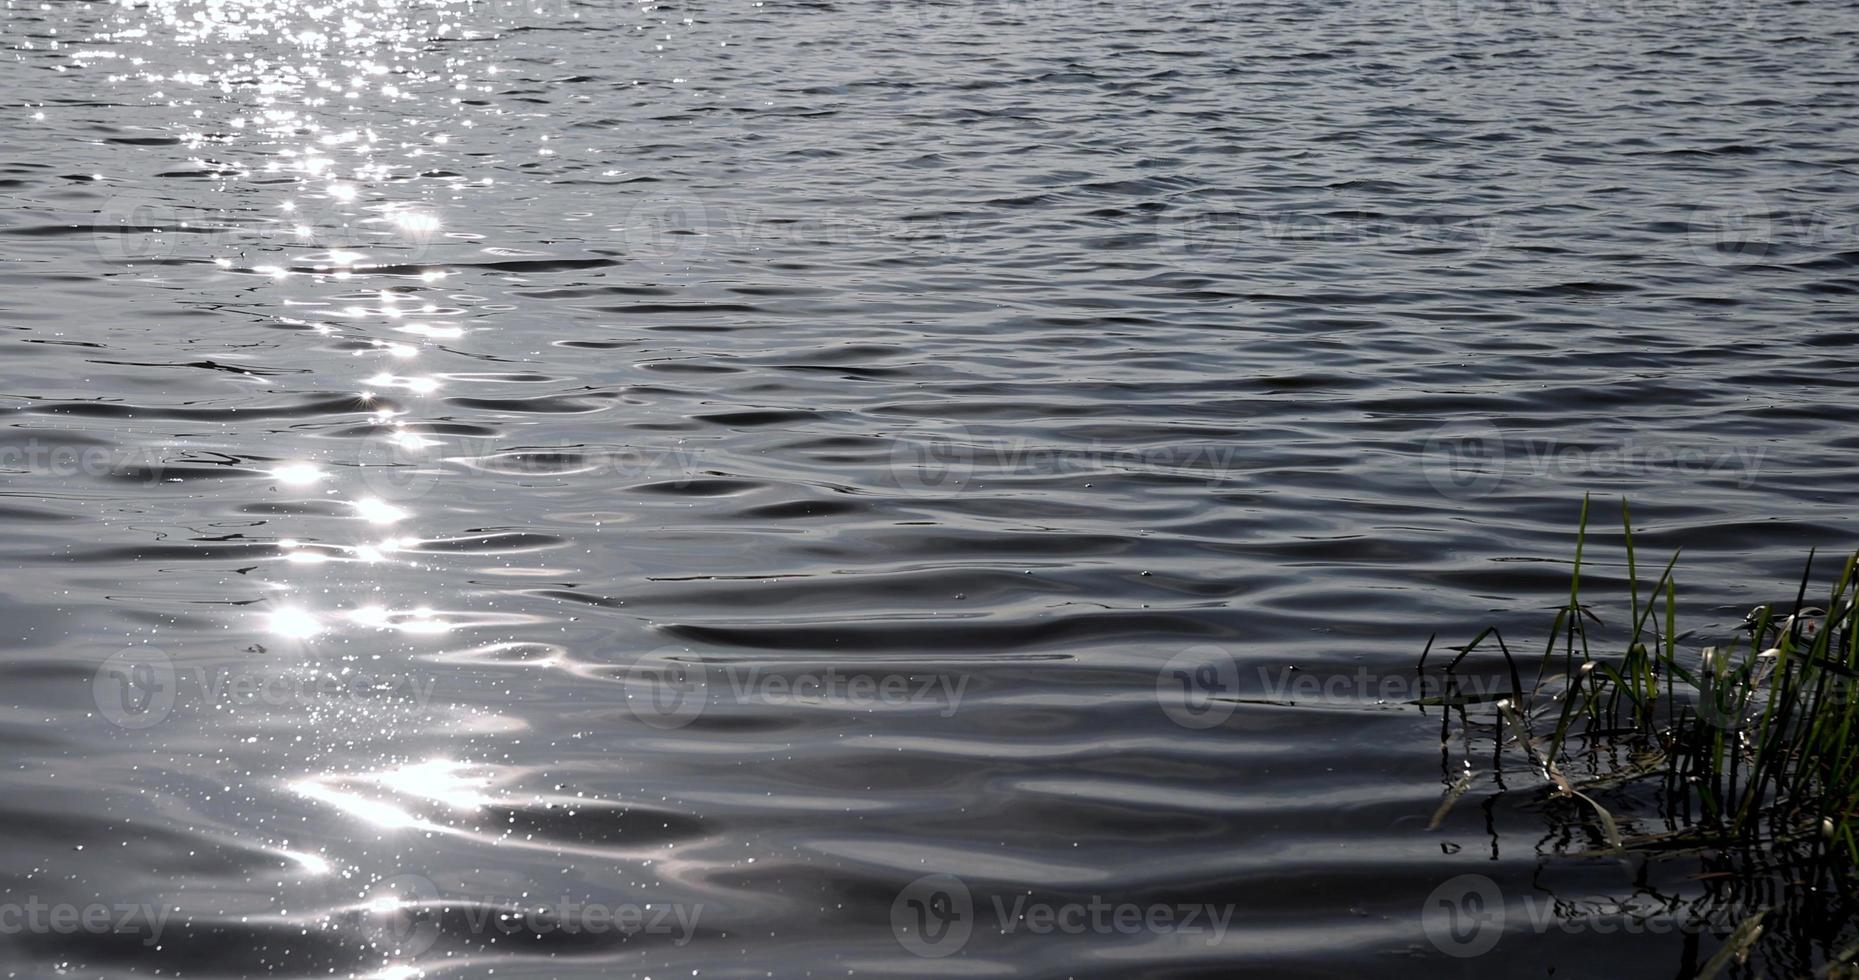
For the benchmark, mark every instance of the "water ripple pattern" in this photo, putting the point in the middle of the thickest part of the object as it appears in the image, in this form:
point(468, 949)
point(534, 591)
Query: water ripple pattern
point(790, 488)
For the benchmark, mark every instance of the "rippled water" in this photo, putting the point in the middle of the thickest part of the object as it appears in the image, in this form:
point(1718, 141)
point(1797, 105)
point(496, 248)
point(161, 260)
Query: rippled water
point(721, 463)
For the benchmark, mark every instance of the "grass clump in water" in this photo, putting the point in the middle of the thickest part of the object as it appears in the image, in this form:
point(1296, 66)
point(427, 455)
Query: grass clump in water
point(1744, 755)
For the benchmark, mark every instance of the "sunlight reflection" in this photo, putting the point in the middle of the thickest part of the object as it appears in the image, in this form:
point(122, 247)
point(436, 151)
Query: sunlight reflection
point(458, 785)
point(370, 553)
point(297, 474)
point(415, 384)
point(312, 864)
point(415, 222)
point(436, 332)
point(377, 511)
point(421, 621)
point(310, 553)
point(294, 623)
point(454, 785)
point(413, 440)
point(374, 812)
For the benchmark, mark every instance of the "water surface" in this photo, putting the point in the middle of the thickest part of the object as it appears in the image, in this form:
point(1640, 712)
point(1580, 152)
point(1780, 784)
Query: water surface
point(731, 460)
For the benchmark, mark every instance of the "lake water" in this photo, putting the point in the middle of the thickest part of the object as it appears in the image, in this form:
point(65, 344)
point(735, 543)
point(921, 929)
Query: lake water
point(898, 489)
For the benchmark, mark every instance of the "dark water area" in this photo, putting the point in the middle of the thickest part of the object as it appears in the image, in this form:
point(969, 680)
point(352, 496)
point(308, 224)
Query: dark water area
point(776, 489)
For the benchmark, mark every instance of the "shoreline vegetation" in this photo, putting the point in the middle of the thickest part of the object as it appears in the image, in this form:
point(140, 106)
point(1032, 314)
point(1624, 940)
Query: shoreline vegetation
point(1734, 766)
